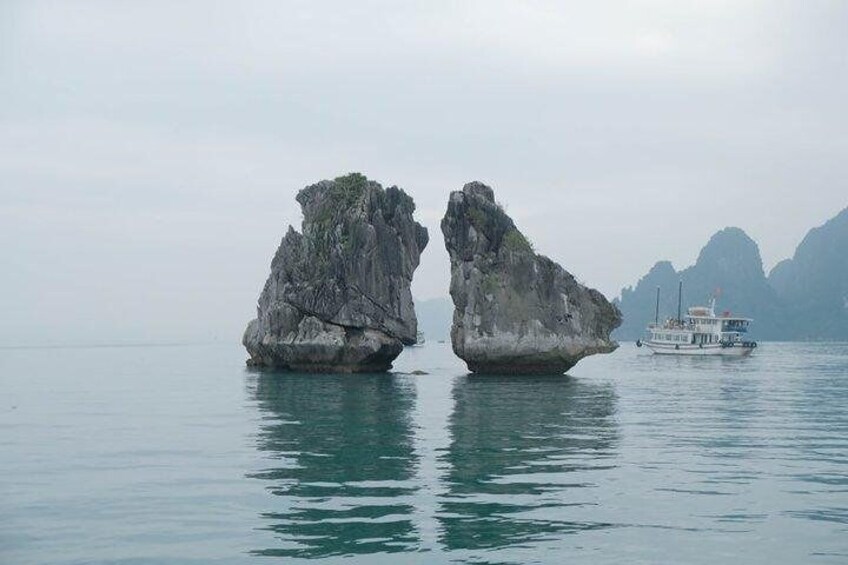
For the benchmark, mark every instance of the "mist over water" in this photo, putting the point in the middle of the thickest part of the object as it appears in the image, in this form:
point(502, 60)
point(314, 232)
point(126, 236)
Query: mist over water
point(182, 455)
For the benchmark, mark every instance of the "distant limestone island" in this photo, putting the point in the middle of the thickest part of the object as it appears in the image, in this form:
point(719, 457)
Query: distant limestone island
point(338, 297)
point(802, 298)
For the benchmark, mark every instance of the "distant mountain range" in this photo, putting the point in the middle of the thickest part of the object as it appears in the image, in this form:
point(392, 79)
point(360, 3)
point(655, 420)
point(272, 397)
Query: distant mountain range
point(803, 298)
point(813, 284)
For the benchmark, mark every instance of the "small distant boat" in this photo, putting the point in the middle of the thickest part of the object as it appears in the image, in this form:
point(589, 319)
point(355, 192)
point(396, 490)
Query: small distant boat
point(700, 332)
point(419, 338)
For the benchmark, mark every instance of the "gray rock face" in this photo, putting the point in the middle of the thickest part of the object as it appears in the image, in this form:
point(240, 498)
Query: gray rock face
point(516, 312)
point(338, 297)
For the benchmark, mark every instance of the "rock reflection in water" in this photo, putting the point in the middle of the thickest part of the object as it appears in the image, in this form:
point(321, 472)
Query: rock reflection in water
point(345, 445)
point(524, 451)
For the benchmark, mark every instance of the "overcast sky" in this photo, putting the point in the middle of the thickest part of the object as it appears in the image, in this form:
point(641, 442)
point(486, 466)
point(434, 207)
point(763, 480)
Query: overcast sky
point(150, 151)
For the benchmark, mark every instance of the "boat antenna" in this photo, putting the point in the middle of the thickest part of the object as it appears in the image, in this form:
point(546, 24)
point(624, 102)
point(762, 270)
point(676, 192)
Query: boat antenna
point(679, 300)
point(657, 311)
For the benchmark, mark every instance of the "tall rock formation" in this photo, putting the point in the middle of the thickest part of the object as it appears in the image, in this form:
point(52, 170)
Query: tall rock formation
point(730, 263)
point(338, 298)
point(516, 312)
point(813, 284)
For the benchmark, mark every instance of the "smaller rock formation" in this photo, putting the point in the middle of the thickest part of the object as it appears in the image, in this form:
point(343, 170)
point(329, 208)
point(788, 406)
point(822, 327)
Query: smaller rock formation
point(516, 312)
point(338, 298)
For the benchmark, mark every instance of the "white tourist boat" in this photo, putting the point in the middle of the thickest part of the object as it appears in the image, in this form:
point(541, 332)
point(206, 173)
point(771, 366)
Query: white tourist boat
point(699, 332)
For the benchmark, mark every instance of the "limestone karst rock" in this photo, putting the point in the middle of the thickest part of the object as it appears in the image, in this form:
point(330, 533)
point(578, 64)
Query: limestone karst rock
point(516, 312)
point(338, 297)
point(813, 284)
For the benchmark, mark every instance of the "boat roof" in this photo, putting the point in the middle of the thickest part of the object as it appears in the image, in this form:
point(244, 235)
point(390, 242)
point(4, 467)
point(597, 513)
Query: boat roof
point(729, 318)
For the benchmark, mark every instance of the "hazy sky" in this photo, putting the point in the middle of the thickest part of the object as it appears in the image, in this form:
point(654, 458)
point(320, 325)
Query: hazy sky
point(150, 151)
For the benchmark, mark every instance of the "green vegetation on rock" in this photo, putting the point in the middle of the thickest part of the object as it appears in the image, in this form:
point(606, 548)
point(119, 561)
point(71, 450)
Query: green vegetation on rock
point(515, 242)
point(348, 189)
point(478, 219)
point(489, 284)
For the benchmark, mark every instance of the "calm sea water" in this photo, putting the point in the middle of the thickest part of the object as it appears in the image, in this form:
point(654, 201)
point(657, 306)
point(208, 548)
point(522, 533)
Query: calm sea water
point(180, 455)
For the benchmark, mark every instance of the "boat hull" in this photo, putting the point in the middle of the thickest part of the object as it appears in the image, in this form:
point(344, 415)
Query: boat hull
point(708, 350)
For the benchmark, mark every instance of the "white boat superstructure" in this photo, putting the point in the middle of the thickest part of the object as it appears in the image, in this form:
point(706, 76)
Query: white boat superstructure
point(700, 332)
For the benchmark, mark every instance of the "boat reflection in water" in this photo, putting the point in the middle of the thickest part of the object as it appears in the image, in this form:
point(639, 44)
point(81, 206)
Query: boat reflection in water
point(346, 463)
point(524, 456)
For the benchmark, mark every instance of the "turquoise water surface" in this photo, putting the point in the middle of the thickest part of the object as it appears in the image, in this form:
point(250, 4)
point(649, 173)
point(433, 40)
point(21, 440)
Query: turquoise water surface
point(179, 454)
